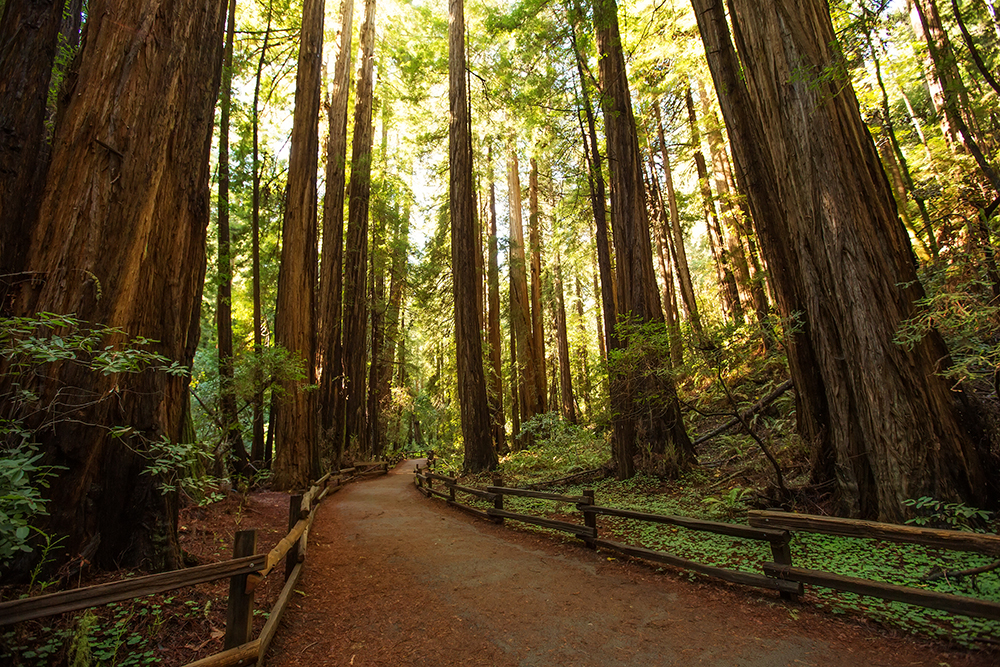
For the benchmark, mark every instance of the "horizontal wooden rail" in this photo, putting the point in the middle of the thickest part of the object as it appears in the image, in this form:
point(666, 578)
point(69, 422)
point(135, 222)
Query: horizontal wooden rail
point(485, 495)
point(928, 537)
point(245, 654)
point(731, 529)
point(440, 494)
point(955, 604)
point(471, 510)
point(734, 576)
point(15, 611)
point(565, 526)
point(527, 493)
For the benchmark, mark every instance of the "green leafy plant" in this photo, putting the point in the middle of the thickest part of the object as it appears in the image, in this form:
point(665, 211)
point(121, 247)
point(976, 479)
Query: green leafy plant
point(939, 514)
point(729, 504)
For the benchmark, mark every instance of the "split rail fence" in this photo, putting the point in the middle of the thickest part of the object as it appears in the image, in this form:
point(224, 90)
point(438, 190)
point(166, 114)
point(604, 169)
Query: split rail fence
point(775, 528)
point(245, 571)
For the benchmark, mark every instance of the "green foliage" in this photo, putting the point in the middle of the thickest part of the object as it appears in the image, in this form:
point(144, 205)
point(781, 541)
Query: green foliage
point(559, 448)
point(21, 482)
point(729, 504)
point(958, 305)
point(954, 516)
point(33, 350)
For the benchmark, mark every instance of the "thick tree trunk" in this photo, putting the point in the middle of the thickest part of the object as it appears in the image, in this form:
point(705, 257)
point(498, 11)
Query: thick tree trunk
point(648, 403)
point(296, 459)
point(29, 34)
point(120, 240)
point(331, 391)
point(232, 434)
point(355, 323)
point(515, 394)
point(881, 421)
point(535, 245)
point(497, 421)
point(479, 452)
point(528, 370)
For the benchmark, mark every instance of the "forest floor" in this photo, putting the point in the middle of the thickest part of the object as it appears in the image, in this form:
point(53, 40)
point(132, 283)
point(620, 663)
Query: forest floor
point(393, 578)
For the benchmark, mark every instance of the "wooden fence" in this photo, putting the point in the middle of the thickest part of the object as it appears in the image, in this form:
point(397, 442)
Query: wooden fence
point(245, 573)
point(775, 528)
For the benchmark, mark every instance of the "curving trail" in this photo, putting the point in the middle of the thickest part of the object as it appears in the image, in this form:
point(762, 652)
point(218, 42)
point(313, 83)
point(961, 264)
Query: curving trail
point(394, 578)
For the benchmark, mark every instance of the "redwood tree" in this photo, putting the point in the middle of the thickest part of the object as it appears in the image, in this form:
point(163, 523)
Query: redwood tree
point(296, 458)
point(119, 239)
point(881, 421)
point(647, 406)
point(479, 452)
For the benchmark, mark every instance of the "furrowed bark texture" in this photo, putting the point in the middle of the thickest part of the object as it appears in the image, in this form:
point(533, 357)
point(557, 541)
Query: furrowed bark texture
point(120, 240)
point(296, 458)
point(658, 418)
point(29, 32)
point(497, 421)
point(331, 279)
point(479, 452)
point(881, 422)
point(355, 322)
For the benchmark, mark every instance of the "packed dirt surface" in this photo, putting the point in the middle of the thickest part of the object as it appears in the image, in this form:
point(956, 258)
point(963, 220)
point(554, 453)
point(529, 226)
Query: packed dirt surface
point(393, 578)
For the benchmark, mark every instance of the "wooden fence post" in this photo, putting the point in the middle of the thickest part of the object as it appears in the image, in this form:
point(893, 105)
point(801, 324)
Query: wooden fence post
point(781, 552)
point(294, 511)
point(590, 519)
point(498, 499)
point(239, 611)
point(451, 489)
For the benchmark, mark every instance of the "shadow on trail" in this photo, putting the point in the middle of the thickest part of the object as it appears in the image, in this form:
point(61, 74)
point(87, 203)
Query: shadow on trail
point(394, 578)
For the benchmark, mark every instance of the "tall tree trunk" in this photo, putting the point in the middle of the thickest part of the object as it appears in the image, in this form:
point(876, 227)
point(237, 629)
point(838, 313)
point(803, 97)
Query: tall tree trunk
point(515, 381)
point(119, 239)
point(882, 422)
point(497, 422)
point(296, 459)
point(598, 202)
point(716, 241)
point(528, 369)
point(29, 37)
point(658, 415)
point(565, 372)
point(585, 383)
point(535, 245)
point(232, 434)
point(669, 295)
point(679, 254)
point(355, 324)
point(465, 245)
point(331, 391)
point(961, 123)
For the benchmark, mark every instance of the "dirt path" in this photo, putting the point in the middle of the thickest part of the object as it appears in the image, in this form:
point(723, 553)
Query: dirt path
point(394, 579)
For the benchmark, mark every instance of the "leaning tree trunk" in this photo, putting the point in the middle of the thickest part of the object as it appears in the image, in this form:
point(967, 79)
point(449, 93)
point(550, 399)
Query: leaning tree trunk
point(649, 405)
point(882, 423)
point(331, 283)
point(29, 34)
point(296, 458)
point(119, 239)
point(355, 321)
point(479, 452)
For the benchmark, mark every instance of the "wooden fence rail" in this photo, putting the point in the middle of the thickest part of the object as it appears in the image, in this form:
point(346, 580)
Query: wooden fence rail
point(245, 572)
point(775, 528)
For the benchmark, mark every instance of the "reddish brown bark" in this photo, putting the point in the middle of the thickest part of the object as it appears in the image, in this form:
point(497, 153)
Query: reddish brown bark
point(120, 240)
point(296, 457)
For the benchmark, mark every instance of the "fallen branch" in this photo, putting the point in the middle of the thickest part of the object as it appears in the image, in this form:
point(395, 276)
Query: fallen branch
point(939, 573)
point(752, 410)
